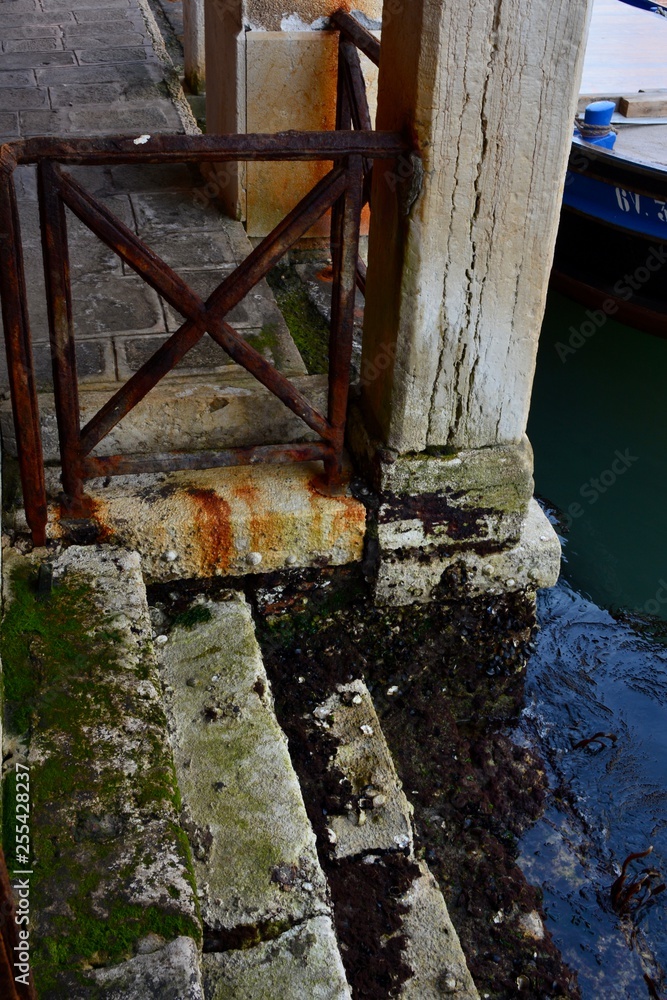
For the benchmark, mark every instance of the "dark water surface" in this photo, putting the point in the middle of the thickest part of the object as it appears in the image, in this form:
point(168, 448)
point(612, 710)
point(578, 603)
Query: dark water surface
point(599, 429)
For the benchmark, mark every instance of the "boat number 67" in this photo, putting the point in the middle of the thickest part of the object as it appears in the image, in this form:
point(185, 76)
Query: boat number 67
point(628, 200)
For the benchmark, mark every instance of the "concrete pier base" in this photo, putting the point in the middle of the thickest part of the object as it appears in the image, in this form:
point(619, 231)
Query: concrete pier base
point(425, 572)
point(450, 518)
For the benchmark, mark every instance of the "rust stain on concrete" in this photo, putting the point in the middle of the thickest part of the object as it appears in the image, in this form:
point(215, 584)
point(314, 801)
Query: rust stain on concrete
point(87, 515)
point(213, 530)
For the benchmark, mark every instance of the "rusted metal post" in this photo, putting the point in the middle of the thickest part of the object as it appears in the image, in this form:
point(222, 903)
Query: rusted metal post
point(356, 33)
point(232, 290)
point(61, 327)
point(341, 189)
point(19, 356)
point(345, 258)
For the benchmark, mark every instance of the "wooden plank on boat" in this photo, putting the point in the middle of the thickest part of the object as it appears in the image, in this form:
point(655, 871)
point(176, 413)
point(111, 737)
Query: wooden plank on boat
point(586, 99)
point(625, 52)
point(649, 104)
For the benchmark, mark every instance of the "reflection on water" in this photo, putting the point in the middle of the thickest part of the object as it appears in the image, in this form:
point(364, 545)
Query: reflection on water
point(598, 425)
point(599, 429)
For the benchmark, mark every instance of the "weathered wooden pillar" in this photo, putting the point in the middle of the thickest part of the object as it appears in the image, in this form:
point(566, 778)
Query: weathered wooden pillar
point(193, 45)
point(459, 263)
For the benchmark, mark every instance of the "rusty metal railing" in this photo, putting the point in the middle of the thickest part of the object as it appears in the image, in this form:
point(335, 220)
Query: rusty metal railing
point(342, 190)
point(352, 109)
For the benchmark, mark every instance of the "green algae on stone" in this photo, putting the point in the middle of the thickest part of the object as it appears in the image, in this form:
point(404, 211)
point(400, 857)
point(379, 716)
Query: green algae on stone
point(243, 810)
point(111, 864)
point(309, 330)
point(197, 614)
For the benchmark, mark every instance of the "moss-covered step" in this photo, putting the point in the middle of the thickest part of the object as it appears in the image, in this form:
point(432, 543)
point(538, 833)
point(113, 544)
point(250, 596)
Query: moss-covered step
point(112, 873)
point(253, 845)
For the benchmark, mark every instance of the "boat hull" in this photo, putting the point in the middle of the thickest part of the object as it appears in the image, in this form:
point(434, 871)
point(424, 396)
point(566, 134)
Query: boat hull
point(611, 251)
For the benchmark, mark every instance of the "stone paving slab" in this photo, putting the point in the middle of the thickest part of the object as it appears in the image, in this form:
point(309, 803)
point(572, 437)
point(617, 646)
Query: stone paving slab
point(432, 947)
point(253, 847)
point(302, 964)
point(383, 821)
point(124, 317)
point(170, 972)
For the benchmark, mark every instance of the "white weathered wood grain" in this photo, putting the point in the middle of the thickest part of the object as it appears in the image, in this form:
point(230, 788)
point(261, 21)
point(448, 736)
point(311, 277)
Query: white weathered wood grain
point(456, 291)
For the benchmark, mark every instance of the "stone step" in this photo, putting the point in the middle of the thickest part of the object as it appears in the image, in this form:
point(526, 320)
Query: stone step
point(263, 896)
point(113, 906)
point(198, 413)
point(378, 825)
point(220, 522)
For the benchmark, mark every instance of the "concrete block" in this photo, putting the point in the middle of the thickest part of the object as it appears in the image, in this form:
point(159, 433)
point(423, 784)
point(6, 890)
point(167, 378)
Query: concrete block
point(24, 7)
point(174, 211)
point(171, 972)
point(302, 964)
point(95, 363)
point(114, 53)
point(114, 303)
point(66, 95)
point(253, 846)
point(9, 126)
point(226, 522)
point(99, 121)
point(119, 35)
point(152, 176)
point(383, 820)
point(432, 948)
point(16, 19)
point(129, 73)
point(256, 310)
point(107, 12)
point(273, 341)
point(408, 577)
point(26, 60)
point(208, 249)
point(30, 31)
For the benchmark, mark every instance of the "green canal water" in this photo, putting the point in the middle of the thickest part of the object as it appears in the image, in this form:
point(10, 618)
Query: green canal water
point(598, 426)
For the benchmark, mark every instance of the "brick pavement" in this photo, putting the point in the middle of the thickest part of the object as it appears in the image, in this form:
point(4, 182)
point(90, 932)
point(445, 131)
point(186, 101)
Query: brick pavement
point(87, 68)
point(95, 67)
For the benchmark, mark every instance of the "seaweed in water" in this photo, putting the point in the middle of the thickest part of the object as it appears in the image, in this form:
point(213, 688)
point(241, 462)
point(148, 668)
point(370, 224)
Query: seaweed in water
point(628, 896)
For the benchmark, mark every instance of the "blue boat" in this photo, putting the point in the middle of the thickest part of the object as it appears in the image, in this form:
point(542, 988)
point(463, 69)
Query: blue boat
point(611, 251)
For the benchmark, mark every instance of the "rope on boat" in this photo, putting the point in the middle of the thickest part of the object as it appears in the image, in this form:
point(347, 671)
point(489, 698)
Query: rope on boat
point(592, 131)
